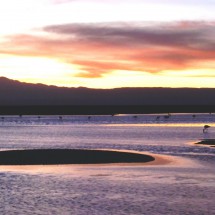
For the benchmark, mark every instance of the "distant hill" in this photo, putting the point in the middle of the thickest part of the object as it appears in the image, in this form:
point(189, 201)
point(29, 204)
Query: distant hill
point(18, 93)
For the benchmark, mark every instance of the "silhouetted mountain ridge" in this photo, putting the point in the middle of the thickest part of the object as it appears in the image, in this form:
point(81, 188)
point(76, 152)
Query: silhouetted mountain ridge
point(18, 93)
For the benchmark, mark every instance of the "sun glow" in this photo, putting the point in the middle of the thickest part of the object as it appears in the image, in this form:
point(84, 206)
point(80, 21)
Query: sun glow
point(55, 72)
point(34, 69)
point(144, 79)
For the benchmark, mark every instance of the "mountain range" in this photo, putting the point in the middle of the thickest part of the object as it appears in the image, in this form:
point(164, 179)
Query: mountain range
point(19, 93)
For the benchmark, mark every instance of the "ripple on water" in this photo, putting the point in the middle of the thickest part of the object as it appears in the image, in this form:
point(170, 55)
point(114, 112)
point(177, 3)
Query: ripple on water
point(111, 190)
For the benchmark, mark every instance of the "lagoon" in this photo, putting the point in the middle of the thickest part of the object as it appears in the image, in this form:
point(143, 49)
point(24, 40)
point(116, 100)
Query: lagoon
point(183, 185)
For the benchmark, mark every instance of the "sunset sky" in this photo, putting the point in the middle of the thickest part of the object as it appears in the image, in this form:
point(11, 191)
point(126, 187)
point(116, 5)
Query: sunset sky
point(109, 43)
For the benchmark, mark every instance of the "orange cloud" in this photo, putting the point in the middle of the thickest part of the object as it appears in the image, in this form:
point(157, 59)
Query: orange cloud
point(98, 49)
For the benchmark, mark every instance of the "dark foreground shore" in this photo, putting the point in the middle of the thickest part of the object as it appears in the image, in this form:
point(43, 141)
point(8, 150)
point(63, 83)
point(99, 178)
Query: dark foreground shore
point(69, 156)
point(207, 142)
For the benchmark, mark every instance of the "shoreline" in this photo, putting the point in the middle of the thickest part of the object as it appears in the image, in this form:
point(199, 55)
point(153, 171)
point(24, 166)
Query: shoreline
point(102, 109)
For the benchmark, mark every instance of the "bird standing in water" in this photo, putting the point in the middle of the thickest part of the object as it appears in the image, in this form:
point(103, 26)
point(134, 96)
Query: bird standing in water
point(206, 128)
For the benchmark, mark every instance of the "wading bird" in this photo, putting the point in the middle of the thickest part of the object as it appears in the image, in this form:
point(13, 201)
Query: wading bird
point(206, 128)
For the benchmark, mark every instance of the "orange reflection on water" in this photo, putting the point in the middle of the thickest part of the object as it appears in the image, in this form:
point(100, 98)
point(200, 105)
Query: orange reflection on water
point(165, 124)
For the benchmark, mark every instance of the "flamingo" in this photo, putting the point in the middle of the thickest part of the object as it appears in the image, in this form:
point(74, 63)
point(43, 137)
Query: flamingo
point(206, 128)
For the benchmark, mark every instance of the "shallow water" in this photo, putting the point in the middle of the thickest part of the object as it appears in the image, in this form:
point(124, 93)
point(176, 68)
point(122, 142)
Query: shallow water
point(184, 186)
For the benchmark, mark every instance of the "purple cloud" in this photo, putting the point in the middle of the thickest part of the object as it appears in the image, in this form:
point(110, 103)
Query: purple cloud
point(98, 49)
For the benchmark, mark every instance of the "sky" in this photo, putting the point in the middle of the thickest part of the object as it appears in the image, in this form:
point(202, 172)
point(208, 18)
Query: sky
point(109, 43)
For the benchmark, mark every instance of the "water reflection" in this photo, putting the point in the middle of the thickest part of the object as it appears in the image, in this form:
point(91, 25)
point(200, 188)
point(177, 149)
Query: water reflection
point(183, 186)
